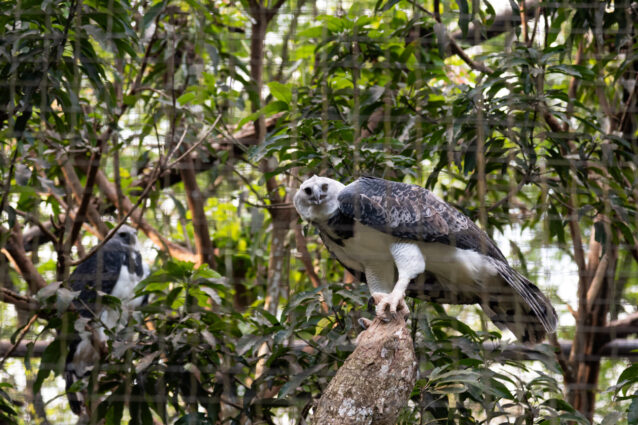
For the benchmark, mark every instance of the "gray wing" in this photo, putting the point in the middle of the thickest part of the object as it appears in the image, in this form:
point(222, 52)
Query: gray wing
point(412, 212)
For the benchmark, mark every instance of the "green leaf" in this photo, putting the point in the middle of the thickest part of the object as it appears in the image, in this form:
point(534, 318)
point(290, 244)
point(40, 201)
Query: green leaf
point(193, 419)
point(296, 380)
point(577, 71)
point(172, 296)
point(139, 408)
point(380, 7)
point(464, 16)
point(270, 109)
point(629, 375)
point(52, 360)
point(280, 91)
point(152, 13)
point(632, 411)
point(115, 409)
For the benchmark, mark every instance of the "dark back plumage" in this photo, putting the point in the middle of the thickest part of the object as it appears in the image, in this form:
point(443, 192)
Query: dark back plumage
point(101, 271)
point(412, 212)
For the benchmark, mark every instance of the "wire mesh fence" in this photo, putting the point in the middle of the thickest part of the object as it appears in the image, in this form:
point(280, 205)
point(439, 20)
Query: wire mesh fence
point(505, 135)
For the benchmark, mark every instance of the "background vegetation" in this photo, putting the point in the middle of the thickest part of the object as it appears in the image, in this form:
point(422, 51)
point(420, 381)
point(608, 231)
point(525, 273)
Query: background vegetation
point(196, 121)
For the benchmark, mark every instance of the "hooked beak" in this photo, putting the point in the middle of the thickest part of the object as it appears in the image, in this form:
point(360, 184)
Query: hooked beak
point(316, 200)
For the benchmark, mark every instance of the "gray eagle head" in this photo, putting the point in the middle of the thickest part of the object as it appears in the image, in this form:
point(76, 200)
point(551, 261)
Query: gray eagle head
point(316, 199)
point(126, 236)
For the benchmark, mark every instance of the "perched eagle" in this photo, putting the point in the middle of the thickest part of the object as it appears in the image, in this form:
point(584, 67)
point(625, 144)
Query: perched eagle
point(399, 237)
point(115, 269)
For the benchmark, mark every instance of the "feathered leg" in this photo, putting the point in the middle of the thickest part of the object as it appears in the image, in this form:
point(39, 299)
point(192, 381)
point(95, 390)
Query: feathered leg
point(410, 263)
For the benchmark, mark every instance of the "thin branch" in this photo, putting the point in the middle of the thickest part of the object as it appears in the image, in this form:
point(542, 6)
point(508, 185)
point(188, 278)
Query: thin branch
point(286, 39)
point(19, 301)
point(525, 31)
point(597, 282)
point(622, 328)
point(573, 83)
point(71, 178)
point(7, 183)
point(30, 218)
point(302, 248)
point(131, 210)
point(195, 200)
point(537, 15)
point(249, 184)
point(94, 165)
point(579, 258)
point(625, 111)
point(276, 7)
point(509, 196)
point(14, 247)
point(561, 358)
point(456, 49)
point(162, 242)
point(195, 145)
point(19, 338)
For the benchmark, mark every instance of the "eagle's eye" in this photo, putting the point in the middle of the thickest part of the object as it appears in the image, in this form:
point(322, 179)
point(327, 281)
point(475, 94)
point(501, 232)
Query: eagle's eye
point(126, 237)
point(308, 191)
point(324, 187)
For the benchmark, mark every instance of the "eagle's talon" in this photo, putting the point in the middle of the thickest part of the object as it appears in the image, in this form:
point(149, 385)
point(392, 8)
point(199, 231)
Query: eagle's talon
point(389, 306)
point(364, 323)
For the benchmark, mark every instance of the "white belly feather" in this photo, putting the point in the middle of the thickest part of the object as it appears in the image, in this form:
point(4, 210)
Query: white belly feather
point(453, 266)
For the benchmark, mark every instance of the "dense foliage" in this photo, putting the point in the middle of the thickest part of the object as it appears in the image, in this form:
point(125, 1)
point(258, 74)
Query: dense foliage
point(195, 122)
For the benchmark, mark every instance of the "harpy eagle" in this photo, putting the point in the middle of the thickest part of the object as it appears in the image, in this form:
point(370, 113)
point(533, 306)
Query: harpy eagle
point(399, 237)
point(114, 269)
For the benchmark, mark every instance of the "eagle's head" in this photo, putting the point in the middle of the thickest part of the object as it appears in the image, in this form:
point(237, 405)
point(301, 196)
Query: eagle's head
point(316, 199)
point(124, 239)
point(126, 235)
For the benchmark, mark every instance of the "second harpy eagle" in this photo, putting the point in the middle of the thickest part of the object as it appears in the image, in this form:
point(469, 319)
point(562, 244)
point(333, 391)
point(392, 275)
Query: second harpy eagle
point(114, 269)
point(399, 237)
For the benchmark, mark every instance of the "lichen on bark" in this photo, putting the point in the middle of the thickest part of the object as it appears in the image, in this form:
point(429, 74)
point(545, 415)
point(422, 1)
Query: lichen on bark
point(375, 381)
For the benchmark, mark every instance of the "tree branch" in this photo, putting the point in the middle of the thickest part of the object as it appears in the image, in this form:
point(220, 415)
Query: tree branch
point(501, 23)
point(375, 381)
point(71, 178)
point(19, 301)
point(14, 248)
point(94, 166)
point(195, 200)
point(175, 250)
point(21, 335)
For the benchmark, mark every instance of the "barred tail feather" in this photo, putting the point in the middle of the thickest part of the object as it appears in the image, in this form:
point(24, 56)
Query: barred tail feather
point(74, 399)
point(528, 314)
point(70, 377)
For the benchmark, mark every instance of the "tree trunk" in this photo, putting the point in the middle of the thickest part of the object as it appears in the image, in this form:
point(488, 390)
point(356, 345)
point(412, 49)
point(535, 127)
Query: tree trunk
point(375, 381)
point(584, 361)
point(196, 201)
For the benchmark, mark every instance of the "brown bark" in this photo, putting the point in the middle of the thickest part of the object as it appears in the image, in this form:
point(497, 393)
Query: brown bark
point(175, 250)
point(277, 261)
point(236, 143)
point(20, 301)
point(375, 381)
point(84, 201)
point(592, 331)
point(503, 22)
point(302, 248)
point(281, 217)
point(195, 199)
point(73, 181)
point(15, 249)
